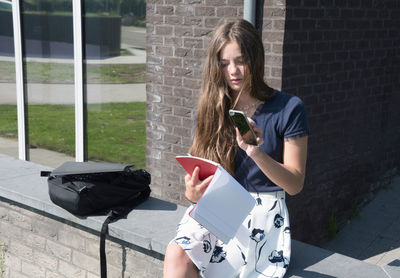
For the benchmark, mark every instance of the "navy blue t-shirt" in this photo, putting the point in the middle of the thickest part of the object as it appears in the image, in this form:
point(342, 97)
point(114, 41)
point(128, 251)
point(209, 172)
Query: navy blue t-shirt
point(284, 116)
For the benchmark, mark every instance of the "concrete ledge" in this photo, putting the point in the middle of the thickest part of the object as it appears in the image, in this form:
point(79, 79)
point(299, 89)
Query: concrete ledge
point(312, 262)
point(152, 225)
point(20, 182)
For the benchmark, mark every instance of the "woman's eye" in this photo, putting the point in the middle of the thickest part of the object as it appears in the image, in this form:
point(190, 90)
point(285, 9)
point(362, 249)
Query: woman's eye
point(239, 62)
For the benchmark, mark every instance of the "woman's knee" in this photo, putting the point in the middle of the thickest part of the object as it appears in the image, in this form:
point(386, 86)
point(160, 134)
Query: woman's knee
point(177, 263)
point(176, 253)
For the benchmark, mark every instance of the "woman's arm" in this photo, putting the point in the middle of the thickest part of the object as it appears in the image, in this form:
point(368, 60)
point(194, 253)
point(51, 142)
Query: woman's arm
point(288, 175)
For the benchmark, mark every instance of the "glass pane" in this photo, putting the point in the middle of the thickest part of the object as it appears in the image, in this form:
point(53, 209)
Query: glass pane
point(49, 76)
point(8, 96)
point(115, 80)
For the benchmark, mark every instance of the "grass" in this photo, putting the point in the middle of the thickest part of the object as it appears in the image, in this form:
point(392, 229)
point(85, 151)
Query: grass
point(115, 131)
point(355, 210)
point(38, 72)
point(333, 225)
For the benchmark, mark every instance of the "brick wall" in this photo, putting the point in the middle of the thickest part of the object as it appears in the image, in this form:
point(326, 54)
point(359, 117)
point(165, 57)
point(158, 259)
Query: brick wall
point(273, 31)
point(177, 36)
point(340, 57)
point(36, 245)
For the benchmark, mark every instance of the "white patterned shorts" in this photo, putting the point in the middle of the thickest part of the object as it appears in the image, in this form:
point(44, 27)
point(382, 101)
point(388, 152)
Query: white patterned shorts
point(261, 247)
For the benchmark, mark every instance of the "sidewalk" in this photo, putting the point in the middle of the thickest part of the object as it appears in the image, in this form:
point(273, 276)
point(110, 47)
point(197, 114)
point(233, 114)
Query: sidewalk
point(138, 57)
point(38, 156)
point(374, 235)
point(64, 93)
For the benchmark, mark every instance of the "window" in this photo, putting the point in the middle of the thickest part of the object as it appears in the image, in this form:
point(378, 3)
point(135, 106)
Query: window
point(8, 97)
point(113, 79)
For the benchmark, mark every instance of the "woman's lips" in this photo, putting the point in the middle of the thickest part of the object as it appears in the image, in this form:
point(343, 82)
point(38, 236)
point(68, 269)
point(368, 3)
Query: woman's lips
point(236, 81)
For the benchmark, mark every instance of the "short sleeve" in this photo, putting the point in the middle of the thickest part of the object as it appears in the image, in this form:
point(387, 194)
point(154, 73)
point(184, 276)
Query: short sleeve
point(295, 119)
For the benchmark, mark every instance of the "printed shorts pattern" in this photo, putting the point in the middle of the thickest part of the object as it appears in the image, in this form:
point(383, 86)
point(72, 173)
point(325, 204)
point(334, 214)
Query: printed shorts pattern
point(261, 247)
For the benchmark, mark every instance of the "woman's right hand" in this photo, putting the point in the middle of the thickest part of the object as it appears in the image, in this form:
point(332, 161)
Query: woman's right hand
point(194, 186)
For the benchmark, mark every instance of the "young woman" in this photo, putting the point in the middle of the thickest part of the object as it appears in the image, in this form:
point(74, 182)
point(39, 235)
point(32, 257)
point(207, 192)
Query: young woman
point(233, 78)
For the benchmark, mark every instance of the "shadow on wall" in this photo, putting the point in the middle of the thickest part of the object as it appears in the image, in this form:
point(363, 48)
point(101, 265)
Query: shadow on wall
point(342, 59)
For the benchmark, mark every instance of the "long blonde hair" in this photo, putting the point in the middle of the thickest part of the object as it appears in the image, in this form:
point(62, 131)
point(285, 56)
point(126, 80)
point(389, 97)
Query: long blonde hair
point(214, 136)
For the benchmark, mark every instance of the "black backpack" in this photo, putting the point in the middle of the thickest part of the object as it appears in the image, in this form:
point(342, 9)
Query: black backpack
point(94, 188)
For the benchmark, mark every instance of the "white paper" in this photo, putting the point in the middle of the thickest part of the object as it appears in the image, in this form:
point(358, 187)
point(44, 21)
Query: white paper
point(224, 206)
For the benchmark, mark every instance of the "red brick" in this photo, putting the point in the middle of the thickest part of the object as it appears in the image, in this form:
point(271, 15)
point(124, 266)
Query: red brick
point(183, 31)
point(184, 52)
point(192, 43)
point(204, 11)
point(174, 20)
point(193, 21)
point(184, 72)
point(164, 10)
point(184, 10)
point(182, 111)
point(173, 81)
point(163, 30)
point(227, 12)
point(191, 83)
point(172, 100)
point(164, 51)
point(173, 62)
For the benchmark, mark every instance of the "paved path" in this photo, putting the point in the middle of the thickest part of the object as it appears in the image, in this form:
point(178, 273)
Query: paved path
point(39, 156)
point(64, 93)
point(134, 36)
point(374, 235)
point(138, 57)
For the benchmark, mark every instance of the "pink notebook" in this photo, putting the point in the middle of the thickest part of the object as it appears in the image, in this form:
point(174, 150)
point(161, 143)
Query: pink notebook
point(207, 167)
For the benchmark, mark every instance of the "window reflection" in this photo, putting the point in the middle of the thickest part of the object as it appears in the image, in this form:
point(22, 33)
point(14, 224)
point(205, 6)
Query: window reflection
point(8, 97)
point(115, 64)
point(115, 75)
point(47, 34)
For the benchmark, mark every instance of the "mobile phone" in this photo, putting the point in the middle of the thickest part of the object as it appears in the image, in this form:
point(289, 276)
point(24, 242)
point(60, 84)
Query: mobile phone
point(242, 123)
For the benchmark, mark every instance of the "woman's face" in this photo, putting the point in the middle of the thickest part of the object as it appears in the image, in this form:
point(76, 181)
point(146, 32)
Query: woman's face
point(232, 65)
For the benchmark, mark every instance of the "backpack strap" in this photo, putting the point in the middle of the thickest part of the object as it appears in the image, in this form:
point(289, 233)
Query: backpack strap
point(111, 217)
point(114, 215)
point(45, 173)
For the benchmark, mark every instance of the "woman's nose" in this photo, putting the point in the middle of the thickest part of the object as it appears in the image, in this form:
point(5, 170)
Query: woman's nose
point(233, 68)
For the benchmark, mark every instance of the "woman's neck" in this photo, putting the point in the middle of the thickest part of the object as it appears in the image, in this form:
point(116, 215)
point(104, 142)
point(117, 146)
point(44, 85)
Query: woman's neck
point(243, 98)
point(247, 104)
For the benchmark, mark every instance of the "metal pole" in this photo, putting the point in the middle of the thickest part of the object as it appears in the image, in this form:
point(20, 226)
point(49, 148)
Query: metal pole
point(19, 82)
point(78, 71)
point(249, 11)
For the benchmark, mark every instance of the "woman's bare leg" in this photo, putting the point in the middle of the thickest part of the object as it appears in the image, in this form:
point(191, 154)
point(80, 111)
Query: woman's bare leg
point(177, 263)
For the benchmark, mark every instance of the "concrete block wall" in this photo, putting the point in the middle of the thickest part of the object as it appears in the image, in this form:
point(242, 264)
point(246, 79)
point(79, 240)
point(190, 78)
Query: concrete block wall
point(36, 245)
point(340, 56)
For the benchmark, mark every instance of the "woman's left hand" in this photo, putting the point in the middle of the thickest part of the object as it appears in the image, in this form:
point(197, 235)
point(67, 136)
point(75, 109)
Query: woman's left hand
point(250, 149)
